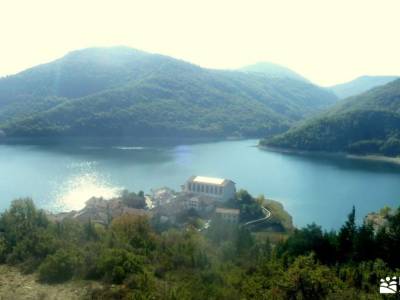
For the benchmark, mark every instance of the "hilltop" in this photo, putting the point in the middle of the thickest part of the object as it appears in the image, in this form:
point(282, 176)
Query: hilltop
point(360, 85)
point(120, 91)
point(365, 124)
point(273, 70)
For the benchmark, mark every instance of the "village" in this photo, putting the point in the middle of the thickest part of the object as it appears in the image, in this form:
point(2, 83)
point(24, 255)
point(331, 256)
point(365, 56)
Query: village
point(202, 195)
point(201, 200)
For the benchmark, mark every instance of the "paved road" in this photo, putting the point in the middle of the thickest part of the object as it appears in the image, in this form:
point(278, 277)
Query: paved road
point(267, 214)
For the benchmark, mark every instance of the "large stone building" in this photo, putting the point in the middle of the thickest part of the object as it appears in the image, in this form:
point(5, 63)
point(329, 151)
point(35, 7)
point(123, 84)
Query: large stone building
point(229, 215)
point(217, 188)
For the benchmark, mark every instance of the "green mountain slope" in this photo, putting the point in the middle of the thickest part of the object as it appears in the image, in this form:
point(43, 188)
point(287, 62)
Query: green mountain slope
point(121, 91)
point(365, 124)
point(360, 85)
point(79, 73)
point(274, 71)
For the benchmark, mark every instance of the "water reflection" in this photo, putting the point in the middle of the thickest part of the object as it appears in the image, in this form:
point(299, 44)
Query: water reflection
point(62, 175)
point(340, 161)
point(85, 183)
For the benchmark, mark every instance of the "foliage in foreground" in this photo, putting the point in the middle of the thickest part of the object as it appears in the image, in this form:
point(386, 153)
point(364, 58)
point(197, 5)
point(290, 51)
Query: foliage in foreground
point(224, 262)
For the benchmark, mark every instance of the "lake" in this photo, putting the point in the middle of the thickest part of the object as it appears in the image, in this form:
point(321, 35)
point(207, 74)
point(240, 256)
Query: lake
point(62, 175)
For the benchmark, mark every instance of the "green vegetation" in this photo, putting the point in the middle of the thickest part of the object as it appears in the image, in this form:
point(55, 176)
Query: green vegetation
point(360, 85)
point(134, 261)
point(364, 124)
point(59, 267)
point(251, 209)
point(273, 70)
point(133, 200)
point(124, 92)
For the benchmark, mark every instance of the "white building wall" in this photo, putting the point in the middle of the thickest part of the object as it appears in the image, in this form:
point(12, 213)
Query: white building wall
point(221, 192)
point(229, 191)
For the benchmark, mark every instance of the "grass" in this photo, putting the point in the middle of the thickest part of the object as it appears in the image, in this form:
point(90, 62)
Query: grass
point(15, 285)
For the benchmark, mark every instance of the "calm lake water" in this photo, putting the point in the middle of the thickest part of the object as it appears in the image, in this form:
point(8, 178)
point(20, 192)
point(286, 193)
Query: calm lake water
point(313, 188)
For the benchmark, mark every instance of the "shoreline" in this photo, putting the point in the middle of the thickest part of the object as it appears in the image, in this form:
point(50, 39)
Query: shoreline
point(370, 157)
point(367, 157)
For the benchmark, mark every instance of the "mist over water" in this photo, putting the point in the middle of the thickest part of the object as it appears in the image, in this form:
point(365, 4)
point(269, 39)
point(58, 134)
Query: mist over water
point(313, 188)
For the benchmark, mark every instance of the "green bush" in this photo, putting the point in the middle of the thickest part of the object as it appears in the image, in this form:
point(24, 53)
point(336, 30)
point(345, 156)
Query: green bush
point(3, 250)
point(116, 264)
point(59, 267)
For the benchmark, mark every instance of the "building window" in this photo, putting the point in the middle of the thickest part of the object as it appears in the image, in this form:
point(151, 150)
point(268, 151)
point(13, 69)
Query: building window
point(190, 186)
point(220, 190)
point(207, 189)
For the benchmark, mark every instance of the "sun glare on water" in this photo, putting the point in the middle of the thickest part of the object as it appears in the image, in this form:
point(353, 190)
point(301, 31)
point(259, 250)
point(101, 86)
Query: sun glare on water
point(77, 189)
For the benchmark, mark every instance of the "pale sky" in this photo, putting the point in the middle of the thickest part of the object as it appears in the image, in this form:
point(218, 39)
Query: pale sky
point(326, 41)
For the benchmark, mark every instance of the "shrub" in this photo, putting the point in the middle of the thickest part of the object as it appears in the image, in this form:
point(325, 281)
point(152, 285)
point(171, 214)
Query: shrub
point(3, 250)
point(32, 249)
point(59, 267)
point(136, 231)
point(116, 264)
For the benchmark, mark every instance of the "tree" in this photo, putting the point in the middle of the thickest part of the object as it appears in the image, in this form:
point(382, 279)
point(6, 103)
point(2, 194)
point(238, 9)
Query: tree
point(25, 235)
point(365, 247)
point(306, 279)
point(116, 264)
point(90, 231)
point(135, 230)
point(393, 238)
point(244, 241)
point(60, 266)
point(21, 220)
point(346, 237)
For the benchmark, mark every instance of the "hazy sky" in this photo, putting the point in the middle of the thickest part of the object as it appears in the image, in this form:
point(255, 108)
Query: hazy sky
point(327, 41)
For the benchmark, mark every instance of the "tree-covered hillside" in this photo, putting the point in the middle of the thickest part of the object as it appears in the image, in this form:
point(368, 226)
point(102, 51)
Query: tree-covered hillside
point(360, 85)
point(274, 71)
point(365, 124)
point(121, 91)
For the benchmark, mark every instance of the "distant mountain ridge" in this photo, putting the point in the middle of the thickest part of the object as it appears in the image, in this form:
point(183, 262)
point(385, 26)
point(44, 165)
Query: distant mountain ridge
point(123, 91)
point(368, 123)
point(360, 84)
point(273, 70)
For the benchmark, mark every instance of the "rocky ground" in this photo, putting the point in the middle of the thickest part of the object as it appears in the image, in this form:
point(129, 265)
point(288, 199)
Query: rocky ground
point(16, 286)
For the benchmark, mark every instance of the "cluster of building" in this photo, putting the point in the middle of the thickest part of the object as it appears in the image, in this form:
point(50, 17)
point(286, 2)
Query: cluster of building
point(205, 195)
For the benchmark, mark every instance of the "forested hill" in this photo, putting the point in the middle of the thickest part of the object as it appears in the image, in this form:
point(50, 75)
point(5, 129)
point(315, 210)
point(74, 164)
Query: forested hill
point(122, 91)
point(360, 85)
point(273, 70)
point(365, 124)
